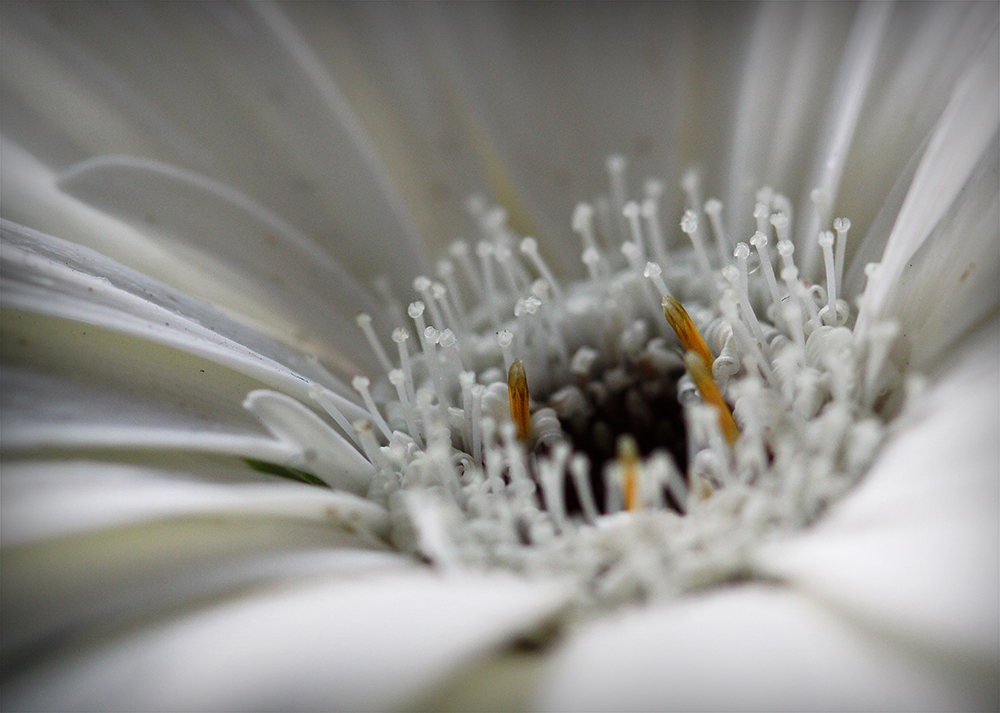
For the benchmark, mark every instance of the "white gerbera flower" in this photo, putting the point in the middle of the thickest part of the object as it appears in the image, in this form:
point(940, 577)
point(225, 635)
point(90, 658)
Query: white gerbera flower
point(669, 453)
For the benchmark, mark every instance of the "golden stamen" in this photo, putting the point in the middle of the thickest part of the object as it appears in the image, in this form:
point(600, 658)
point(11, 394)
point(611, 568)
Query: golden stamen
point(686, 331)
point(628, 459)
point(517, 388)
point(702, 377)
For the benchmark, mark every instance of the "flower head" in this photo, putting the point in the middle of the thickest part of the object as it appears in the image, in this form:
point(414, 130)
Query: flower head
point(685, 452)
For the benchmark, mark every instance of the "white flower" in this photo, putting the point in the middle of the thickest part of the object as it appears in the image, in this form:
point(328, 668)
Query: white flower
point(276, 160)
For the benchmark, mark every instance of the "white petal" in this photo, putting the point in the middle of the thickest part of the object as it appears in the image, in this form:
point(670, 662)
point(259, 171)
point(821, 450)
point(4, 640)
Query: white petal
point(926, 50)
point(327, 454)
point(167, 74)
point(957, 145)
point(952, 282)
point(113, 391)
point(356, 645)
point(853, 78)
point(913, 551)
point(49, 276)
point(47, 499)
point(786, 73)
point(63, 590)
point(752, 648)
point(258, 250)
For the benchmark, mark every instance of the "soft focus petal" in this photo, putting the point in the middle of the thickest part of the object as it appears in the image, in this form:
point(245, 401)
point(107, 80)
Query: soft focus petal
point(89, 544)
point(752, 649)
point(960, 151)
point(49, 276)
point(217, 223)
point(53, 499)
point(152, 81)
point(913, 553)
point(367, 644)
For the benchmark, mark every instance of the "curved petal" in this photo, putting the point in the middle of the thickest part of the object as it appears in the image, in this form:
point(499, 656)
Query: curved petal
point(259, 250)
point(45, 275)
point(358, 645)
point(88, 544)
point(165, 74)
point(46, 499)
point(114, 391)
point(913, 552)
point(748, 649)
point(959, 142)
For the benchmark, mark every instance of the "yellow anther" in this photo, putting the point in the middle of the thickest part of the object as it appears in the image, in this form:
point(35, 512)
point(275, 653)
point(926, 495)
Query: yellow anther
point(517, 388)
point(628, 460)
point(702, 376)
point(686, 331)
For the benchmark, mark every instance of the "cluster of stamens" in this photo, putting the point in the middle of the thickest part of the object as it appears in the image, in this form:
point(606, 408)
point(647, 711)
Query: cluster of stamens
point(711, 426)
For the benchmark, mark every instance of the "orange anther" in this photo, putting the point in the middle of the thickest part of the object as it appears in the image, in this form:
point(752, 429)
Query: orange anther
point(628, 459)
point(686, 331)
point(517, 388)
point(702, 377)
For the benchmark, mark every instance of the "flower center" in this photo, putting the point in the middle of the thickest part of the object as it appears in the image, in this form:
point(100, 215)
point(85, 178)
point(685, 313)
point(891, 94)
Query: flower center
point(585, 430)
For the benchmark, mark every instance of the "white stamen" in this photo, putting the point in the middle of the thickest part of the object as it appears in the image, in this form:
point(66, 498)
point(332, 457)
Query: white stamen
point(616, 176)
point(689, 224)
point(655, 273)
point(782, 227)
point(742, 287)
point(825, 241)
point(365, 322)
point(504, 338)
point(439, 293)
point(512, 270)
point(362, 429)
point(759, 241)
point(466, 381)
point(631, 213)
point(422, 285)
point(763, 217)
point(651, 214)
point(592, 259)
point(727, 304)
point(583, 224)
point(713, 208)
point(841, 225)
point(398, 379)
point(529, 246)
point(477, 421)
point(400, 336)
point(325, 400)
point(429, 340)
point(361, 384)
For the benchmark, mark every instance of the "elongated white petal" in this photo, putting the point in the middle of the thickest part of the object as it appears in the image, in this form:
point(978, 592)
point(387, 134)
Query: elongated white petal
point(913, 552)
point(49, 276)
point(752, 649)
point(88, 544)
point(853, 78)
point(783, 77)
point(952, 282)
point(925, 52)
point(227, 227)
point(48, 499)
point(118, 392)
point(959, 142)
point(326, 453)
point(288, 142)
point(360, 645)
